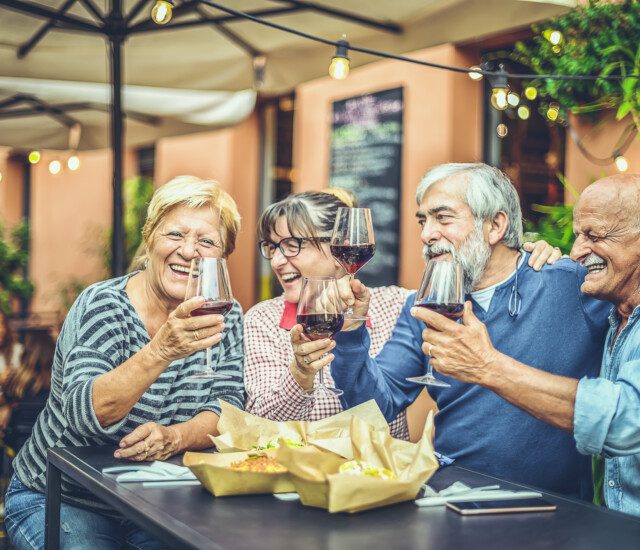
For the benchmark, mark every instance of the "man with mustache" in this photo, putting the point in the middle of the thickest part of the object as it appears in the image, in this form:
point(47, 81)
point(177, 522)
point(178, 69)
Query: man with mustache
point(471, 213)
point(602, 413)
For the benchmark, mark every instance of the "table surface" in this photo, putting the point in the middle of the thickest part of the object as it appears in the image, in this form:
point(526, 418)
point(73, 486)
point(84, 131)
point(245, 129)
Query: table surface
point(190, 517)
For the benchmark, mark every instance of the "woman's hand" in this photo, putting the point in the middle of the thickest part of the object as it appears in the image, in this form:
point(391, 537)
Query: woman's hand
point(181, 334)
point(149, 442)
point(309, 357)
point(542, 253)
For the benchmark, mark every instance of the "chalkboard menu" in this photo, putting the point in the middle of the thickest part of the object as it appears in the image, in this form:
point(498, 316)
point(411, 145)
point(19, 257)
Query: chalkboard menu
point(366, 155)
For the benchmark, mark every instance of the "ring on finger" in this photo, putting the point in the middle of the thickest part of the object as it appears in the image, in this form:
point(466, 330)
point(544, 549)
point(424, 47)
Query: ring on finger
point(196, 335)
point(306, 360)
point(146, 446)
point(429, 350)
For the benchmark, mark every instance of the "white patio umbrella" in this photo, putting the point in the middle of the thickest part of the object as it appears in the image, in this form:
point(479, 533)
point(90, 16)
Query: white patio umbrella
point(206, 49)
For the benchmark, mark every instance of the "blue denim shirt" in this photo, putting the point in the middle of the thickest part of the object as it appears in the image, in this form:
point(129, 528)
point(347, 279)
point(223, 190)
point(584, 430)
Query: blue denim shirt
point(607, 415)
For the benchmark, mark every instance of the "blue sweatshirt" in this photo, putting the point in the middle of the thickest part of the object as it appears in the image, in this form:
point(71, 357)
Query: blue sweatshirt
point(557, 330)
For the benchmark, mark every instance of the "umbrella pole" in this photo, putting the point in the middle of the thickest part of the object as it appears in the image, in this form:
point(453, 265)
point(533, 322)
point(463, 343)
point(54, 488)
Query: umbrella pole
point(116, 24)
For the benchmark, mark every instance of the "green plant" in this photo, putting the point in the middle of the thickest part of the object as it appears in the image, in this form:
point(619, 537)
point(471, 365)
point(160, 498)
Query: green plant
point(599, 38)
point(14, 255)
point(556, 224)
point(137, 193)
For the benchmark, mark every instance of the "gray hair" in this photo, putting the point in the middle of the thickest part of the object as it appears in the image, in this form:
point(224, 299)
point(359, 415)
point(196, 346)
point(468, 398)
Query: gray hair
point(489, 191)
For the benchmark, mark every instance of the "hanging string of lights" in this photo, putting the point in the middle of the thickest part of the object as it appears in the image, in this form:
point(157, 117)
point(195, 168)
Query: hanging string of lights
point(502, 97)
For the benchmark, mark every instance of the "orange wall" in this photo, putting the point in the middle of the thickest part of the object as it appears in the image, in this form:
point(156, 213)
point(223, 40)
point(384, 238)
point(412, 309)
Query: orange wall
point(230, 156)
point(600, 140)
point(442, 123)
point(70, 216)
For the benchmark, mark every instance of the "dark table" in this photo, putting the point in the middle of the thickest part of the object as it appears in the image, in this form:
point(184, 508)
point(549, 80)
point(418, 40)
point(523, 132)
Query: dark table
point(190, 517)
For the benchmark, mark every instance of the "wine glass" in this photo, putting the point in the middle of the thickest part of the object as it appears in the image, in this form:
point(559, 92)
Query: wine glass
point(440, 291)
point(320, 314)
point(353, 243)
point(209, 277)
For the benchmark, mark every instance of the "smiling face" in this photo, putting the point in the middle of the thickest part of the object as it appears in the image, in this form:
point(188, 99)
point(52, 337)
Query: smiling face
point(450, 230)
point(310, 262)
point(607, 242)
point(183, 234)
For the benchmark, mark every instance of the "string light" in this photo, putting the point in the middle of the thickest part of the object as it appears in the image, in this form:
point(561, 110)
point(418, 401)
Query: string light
point(530, 93)
point(162, 11)
point(524, 112)
point(513, 99)
point(475, 74)
point(73, 163)
point(34, 157)
point(622, 164)
point(553, 111)
point(0, 177)
point(499, 89)
point(340, 64)
point(54, 167)
point(502, 130)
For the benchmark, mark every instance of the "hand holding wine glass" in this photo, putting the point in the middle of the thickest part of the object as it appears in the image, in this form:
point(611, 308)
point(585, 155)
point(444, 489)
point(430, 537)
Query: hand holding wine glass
point(440, 291)
point(320, 315)
point(353, 243)
point(209, 278)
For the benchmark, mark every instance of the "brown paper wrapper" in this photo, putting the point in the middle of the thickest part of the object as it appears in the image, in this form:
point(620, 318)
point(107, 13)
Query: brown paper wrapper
point(242, 431)
point(319, 484)
point(213, 472)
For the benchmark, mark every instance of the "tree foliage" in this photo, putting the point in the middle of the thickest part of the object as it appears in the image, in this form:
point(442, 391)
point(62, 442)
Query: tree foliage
point(599, 38)
point(14, 255)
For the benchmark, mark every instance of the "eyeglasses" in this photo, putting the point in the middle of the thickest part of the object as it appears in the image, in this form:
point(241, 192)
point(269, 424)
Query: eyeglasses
point(290, 247)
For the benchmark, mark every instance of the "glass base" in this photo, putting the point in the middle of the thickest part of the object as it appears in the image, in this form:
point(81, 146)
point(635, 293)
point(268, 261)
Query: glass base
point(428, 380)
point(321, 388)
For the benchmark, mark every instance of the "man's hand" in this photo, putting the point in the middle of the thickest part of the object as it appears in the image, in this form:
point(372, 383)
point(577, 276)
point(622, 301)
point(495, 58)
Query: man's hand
point(355, 294)
point(462, 351)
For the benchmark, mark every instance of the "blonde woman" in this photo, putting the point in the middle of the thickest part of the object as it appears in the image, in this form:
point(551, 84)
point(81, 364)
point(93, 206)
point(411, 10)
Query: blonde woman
point(121, 370)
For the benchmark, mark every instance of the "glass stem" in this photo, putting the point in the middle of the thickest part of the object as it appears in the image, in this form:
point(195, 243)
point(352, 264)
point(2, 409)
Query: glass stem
point(429, 370)
point(321, 378)
point(349, 311)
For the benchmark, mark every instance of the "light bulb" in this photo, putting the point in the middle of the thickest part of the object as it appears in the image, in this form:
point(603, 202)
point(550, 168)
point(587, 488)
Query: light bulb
point(339, 68)
point(524, 112)
point(474, 74)
point(554, 37)
point(530, 93)
point(621, 163)
point(513, 99)
point(0, 177)
point(55, 166)
point(73, 163)
point(553, 111)
point(34, 157)
point(162, 11)
point(499, 99)
point(502, 130)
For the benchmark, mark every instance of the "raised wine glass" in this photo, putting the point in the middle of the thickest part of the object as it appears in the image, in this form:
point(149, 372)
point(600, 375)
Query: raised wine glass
point(353, 243)
point(440, 291)
point(209, 277)
point(320, 314)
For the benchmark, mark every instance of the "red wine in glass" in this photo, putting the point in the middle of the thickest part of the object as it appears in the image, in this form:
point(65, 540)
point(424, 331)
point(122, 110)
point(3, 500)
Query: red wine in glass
point(451, 311)
point(353, 256)
point(220, 307)
point(320, 325)
point(321, 316)
point(440, 291)
point(209, 278)
point(353, 243)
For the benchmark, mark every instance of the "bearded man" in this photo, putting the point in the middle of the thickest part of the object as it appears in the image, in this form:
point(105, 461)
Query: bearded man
point(470, 213)
point(602, 413)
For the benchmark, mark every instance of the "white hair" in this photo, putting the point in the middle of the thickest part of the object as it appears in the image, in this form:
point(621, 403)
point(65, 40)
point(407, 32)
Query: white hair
point(488, 192)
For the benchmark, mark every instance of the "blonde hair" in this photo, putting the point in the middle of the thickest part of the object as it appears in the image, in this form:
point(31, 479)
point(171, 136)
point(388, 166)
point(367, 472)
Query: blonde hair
point(194, 193)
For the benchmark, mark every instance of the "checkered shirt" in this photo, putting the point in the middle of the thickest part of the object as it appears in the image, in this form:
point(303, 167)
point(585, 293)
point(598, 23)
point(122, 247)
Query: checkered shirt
point(273, 393)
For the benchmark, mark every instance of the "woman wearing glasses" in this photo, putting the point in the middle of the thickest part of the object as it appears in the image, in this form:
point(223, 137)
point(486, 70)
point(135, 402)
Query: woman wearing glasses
point(294, 236)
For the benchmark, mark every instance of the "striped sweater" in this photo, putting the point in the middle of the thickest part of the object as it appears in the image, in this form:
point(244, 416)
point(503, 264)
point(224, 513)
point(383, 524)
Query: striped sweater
point(102, 331)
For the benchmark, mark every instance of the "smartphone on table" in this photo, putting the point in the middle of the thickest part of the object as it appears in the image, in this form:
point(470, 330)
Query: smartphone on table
point(478, 508)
